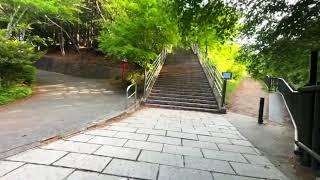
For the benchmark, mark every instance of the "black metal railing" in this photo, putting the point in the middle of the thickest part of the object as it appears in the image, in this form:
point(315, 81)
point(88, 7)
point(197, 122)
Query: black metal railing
point(303, 106)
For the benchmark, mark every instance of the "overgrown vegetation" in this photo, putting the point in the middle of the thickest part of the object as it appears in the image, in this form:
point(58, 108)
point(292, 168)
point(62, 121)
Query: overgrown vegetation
point(9, 94)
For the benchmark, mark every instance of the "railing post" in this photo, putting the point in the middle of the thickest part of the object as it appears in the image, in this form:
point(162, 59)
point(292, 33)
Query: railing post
point(145, 82)
point(261, 108)
point(224, 91)
point(136, 92)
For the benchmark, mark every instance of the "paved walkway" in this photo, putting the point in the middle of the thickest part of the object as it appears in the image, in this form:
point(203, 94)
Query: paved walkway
point(149, 144)
point(62, 103)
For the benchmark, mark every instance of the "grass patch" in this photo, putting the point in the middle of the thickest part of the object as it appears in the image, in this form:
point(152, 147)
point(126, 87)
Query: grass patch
point(13, 93)
point(232, 87)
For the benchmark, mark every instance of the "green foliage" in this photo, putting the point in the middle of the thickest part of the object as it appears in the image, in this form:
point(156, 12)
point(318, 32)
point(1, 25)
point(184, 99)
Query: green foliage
point(138, 31)
point(285, 32)
point(224, 57)
point(205, 23)
point(10, 94)
point(15, 60)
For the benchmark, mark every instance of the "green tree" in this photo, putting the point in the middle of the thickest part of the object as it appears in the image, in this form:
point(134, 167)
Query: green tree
point(283, 33)
point(138, 30)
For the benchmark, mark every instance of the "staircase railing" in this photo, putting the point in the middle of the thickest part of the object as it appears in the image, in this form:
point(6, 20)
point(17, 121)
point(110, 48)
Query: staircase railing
point(303, 107)
point(151, 74)
point(134, 94)
point(213, 74)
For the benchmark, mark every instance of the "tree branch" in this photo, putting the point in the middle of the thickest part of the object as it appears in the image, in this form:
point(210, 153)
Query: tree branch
point(78, 50)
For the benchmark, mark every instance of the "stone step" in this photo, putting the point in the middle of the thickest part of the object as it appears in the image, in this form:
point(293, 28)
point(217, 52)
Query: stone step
point(170, 79)
point(183, 86)
point(185, 104)
point(171, 82)
point(188, 100)
point(177, 91)
point(190, 89)
point(177, 95)
point(184, 108)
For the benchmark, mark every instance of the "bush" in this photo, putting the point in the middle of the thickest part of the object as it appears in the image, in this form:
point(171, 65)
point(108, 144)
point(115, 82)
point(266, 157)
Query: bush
point(16, 58)
point(10, 94)
point(27, 75)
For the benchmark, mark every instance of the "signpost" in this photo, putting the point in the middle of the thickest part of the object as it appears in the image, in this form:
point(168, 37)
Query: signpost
point(226, 76)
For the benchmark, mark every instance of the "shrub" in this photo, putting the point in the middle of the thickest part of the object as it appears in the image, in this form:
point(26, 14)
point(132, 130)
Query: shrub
point(16, 58)
point(9, 94)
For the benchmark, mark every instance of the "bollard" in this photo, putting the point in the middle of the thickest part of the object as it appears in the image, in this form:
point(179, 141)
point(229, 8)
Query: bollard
point(261, 108)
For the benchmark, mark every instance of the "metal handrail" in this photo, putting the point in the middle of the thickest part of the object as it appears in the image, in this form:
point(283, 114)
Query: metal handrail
point(151, 75)
point(135, 94)
point(213, 74)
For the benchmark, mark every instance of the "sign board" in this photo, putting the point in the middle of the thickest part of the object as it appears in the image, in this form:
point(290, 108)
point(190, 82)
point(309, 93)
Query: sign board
point(227, 75)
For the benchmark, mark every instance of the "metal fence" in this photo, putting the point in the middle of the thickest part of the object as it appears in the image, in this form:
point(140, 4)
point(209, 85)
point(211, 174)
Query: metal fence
point(303, 106)
point(213, 74)
point(151, 74)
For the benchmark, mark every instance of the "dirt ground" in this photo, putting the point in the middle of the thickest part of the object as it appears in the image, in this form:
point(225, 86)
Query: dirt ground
point(246, 99)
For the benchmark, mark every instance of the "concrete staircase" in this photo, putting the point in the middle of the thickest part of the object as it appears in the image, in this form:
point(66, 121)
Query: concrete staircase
point(182, 84)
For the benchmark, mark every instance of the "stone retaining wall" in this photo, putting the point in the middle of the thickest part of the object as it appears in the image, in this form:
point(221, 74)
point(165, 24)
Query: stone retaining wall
point(81, 69)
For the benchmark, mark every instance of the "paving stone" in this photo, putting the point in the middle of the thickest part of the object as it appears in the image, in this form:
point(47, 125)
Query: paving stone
point(81, 138)
point(151, 131)
point(253, 159)
point(132, 169)
point(169, 128)
point(218, 176)
point(172, 173)
point(235, 148)
point(161, 158)
point(201, 131)
point(182, 135)
point(224, 155)
point(120, 128)
point(39, 156)
point(144, 145)
point(241, 142)
point(141, 125)
point(259, 171)
point(71, 146)
point(165, 140)
point(214, 139)
point(134, 136)
point(38, 172)
point(119, 152)
point(123, 124)
point(199, 144)
point(7, 166)
point(82, 175)
point(216, 128)
point(101, 132)
point(182, 150)
point(208, 164)
point(84, 161)
point(225, 135)
point(108, 141)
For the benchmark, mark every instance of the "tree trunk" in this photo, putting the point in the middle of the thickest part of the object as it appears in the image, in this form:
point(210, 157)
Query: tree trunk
point(63, 53)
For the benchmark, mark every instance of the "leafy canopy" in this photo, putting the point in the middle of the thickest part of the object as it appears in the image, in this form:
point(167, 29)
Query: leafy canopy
point(284, 33)
point(138, 30)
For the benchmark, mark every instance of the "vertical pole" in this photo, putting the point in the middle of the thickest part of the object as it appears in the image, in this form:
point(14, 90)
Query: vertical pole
point(313, 67)
point(136, 92)
point(261, 108)
point(224, 91)
point(316, 109)
point(145, 82)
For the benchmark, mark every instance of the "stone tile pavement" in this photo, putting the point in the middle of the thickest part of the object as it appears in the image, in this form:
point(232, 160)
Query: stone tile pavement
point(152, 143)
